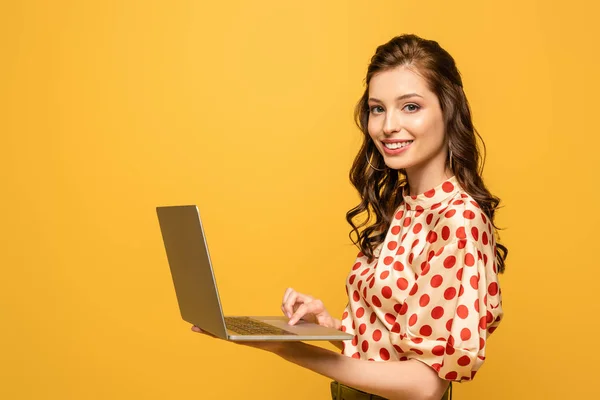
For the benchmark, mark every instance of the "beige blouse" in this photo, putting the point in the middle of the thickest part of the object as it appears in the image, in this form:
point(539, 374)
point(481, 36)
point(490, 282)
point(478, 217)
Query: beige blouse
point(432, 292)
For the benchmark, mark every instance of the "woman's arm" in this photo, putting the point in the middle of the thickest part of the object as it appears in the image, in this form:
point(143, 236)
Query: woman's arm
point(395, 380)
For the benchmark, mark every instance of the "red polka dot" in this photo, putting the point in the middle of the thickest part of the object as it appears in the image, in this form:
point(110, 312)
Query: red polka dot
point(384, 274)
point(414, 244)
point(404, 309)
point(430, 193)
point(410, 258)
point(475, 233)
point(451, 375)
point(429, 219)
point(449, 324)
point(461, 291)
point(424, 300)
point(462, 311)
point(365, 271)
point(437, 312)
point(485, 259)
point(396, 229)
point(425, 269)
point(440, 251)
point(459, 274)
point(386, 292)
point(399, 214)
point(376, 335)
point(343, 328)
point(402, 283)
point(464, 361)
point(360, 312)
point(469, 260)
point(400, 250)
point(460, 233)
point(384, 354)
point(417, 228)
point(445, 233)
point(449, 350)
point(476, 305)
point(372, 318)
point(356, 355)
point(457, 202)
point(355, 296)
point(351, 279)
point(436, 367)
point(447, 187)
point(484, 238)
point(390, 318)
point(462, 244)
point(425, 330)
point(388, 260)
point(474, 282)
point(412, 320)
point(449, 262)
point(493, 289)
point(406, 222)
point(365, 346)
point(450, 213)
point(362, 328)
point(482, 323)
point(359, 284)
point(432, 237)
point(398, 266)
point(356, 266)
point(438, 350)
point(419, 210)
point(468, 214)
point(414, 289)
point(481, 343)
point(376, 302)
point(449, 293)
point(490, 317)
point(436, 281)
point(465, 334)
point(396, 328)
point(392, 245)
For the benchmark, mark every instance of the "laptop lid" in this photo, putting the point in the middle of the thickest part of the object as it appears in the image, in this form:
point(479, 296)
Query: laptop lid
point(191, 269)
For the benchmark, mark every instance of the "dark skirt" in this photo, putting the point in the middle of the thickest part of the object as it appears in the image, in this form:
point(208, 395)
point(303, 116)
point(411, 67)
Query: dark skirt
point(343, 392)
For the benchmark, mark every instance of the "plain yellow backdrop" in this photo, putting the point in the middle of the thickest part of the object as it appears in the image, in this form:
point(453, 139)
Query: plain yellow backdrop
point(110, 108)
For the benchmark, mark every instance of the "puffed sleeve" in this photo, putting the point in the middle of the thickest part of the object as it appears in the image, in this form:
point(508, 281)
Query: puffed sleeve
point(452, 308)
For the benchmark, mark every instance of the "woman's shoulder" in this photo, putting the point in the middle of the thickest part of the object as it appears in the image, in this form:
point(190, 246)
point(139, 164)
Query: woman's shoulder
point(462, 212)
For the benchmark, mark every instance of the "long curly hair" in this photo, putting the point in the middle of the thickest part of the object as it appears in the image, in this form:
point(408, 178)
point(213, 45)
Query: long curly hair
point(381, 188)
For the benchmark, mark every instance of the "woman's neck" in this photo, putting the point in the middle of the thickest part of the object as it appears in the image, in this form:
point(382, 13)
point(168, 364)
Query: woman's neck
point(421, 180)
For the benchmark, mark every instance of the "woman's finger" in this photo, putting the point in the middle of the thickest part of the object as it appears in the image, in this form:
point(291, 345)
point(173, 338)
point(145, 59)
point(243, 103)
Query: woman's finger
point(288, 306)
point(198, 330)
point(300, 312)
point(287, 293)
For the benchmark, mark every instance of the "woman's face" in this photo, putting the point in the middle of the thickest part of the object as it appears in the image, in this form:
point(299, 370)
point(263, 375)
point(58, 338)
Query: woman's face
point(406, 122)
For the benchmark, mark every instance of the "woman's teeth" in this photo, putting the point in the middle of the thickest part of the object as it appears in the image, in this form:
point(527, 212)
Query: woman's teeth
point(397, 145)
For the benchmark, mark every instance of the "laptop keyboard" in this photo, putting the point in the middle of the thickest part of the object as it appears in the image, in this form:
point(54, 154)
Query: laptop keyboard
point(248, 326)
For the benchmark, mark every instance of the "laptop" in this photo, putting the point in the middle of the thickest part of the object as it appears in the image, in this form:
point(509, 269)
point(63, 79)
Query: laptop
point(196, 288)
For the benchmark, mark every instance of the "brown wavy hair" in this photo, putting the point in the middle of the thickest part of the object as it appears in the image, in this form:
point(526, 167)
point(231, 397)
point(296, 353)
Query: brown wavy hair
point(381, 189)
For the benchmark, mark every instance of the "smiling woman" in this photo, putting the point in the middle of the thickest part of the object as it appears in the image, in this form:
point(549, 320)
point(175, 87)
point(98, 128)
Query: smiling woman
point(423, 293)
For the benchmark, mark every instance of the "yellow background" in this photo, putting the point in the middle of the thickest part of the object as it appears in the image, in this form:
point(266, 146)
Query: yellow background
point(109, 108)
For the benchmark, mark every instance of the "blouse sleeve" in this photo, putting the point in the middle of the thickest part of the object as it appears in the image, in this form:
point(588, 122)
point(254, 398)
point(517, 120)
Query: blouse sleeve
point(446, 319)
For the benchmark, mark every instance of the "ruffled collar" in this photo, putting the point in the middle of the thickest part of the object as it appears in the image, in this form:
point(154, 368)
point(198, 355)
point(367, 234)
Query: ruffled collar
point(438, 194)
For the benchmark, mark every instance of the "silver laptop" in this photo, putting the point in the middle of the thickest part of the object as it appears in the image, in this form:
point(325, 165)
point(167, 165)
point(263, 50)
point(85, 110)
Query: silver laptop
point(196, 288)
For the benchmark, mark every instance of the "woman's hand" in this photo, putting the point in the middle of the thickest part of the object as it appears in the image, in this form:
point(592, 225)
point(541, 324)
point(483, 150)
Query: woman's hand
point(298, 306)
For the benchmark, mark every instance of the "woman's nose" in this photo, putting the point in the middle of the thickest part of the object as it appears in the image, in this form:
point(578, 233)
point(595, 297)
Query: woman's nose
point(391, 123)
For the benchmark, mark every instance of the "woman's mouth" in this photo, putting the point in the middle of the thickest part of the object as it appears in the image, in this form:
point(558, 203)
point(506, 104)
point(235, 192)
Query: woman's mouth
point(393, 148)
point(397, 145)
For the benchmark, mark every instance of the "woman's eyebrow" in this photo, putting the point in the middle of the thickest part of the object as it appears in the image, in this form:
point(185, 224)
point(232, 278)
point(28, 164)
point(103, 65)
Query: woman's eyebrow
point(404, 96)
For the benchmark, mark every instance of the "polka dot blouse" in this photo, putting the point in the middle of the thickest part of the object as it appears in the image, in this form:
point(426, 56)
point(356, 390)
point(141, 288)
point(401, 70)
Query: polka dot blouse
point(431, 293)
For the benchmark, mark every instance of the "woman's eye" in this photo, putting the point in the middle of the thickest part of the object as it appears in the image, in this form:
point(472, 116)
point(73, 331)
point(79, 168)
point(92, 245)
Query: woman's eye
point(376, 109)
point(416, 107)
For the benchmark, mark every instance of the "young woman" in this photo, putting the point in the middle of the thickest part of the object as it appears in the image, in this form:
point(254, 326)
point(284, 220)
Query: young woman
point(423, 294)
